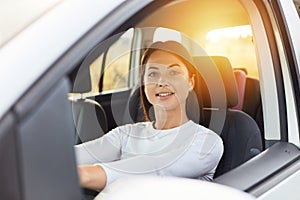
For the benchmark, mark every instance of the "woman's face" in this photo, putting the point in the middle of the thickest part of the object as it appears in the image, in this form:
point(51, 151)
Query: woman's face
point(167, 81)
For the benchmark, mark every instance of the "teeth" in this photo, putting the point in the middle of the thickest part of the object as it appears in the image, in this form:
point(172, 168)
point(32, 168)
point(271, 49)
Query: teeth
point(164, 94)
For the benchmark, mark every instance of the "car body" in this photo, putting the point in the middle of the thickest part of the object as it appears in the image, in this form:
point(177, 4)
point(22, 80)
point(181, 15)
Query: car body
point(67, 49)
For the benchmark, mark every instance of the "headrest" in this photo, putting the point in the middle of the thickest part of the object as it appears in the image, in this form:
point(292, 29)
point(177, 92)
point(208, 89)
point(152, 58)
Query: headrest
point(219, 84)
point(240, 77)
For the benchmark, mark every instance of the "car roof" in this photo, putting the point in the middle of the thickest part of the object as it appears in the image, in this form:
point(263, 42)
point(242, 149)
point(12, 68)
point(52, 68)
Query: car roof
point(26, 56)
point(24, 17)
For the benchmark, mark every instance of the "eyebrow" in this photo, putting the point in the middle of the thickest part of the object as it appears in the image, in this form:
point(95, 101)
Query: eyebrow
point(170, 66)
point(151, 67)
point(174, 65)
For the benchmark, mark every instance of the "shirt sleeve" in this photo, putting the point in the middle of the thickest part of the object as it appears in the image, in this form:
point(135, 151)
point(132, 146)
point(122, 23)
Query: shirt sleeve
point(197, 159)
point(104, 149)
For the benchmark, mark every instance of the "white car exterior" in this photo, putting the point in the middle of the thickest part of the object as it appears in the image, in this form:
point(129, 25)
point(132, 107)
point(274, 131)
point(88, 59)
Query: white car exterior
point(53, 33)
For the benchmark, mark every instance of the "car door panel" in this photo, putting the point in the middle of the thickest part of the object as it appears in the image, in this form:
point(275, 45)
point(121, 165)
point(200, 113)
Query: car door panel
point(253, 175)
point(45, 137)
point(9, 173)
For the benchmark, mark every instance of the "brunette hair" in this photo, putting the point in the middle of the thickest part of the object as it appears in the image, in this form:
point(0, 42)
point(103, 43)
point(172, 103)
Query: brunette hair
point(194, 103)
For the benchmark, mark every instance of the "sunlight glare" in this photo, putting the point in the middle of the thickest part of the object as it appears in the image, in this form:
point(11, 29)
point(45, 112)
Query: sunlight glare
point(230, 33)
point(236, 43)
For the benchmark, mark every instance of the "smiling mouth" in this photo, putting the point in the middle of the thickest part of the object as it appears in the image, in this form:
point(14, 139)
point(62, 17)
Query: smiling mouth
point(164, 94)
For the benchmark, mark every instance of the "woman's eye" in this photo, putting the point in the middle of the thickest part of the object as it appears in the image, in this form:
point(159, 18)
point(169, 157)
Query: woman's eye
point(152, 74)
point(173, 72)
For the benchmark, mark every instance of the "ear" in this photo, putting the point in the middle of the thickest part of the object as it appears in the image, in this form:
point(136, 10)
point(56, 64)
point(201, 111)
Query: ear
point(192, 82)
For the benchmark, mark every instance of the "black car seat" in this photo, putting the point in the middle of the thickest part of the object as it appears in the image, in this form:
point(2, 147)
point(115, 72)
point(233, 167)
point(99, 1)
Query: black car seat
point(240, 133)
point(249, 97)
point(252, 102)
point(133, 110)
point(89, 118)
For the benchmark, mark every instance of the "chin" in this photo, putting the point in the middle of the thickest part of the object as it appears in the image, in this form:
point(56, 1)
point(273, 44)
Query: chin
point(168, 106)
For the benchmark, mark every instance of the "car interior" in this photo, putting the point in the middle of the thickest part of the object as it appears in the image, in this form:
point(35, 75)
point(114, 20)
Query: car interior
point(97, 90)
point(234, 111)
point(241, 82)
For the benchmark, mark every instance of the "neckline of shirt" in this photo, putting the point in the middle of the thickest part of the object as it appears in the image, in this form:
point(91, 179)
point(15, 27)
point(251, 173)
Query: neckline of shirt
point(184, 125)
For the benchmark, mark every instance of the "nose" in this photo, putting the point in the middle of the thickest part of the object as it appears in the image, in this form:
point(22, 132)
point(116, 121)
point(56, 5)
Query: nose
point(162, 82)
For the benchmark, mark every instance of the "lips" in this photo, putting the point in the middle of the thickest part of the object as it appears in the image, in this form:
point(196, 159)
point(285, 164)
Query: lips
point(164, 94)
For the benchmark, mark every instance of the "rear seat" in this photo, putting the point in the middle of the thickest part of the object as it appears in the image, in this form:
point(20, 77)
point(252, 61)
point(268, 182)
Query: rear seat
point(252, 102)
point(249, 97)
point(240, 77)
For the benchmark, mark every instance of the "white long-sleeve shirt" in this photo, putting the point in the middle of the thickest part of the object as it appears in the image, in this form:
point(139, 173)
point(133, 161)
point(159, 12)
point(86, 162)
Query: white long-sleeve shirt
point(190, 151)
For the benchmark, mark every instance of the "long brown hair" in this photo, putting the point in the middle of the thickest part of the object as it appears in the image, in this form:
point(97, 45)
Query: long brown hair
point(194, 103)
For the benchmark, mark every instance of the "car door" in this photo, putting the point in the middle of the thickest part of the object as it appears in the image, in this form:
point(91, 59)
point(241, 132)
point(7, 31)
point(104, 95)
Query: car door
point(283, 18)
point(277, 51)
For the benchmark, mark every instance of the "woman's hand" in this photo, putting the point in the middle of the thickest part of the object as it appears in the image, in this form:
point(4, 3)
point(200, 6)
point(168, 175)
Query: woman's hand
point(92, 176)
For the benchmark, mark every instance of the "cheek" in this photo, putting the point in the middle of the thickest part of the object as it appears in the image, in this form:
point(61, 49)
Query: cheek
point(181, 82)
point(183, 89)
point(150, 92)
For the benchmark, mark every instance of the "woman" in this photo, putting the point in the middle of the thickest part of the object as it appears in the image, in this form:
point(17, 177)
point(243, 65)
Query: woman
point(168, 143)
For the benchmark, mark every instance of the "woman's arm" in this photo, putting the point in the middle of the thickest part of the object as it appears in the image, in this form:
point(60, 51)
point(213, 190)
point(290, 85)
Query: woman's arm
point(196, 160)
point(101, 150)
point(104, 149)
point(92, 177)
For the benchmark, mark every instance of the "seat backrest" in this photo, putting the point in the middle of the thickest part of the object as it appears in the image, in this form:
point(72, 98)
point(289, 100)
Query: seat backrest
point(240, 133)
point(252, 102)
point(133, 111)
point(249, 97)
point(89, 118)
